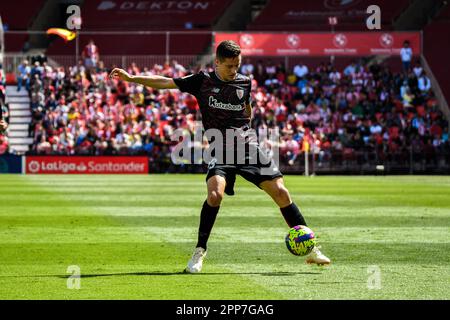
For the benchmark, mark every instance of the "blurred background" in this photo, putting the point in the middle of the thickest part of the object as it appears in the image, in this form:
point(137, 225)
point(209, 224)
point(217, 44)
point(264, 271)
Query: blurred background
point(346, 99)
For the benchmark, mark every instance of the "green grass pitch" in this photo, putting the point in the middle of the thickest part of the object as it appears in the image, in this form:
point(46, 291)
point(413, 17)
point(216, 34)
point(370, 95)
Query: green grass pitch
point(131, 236)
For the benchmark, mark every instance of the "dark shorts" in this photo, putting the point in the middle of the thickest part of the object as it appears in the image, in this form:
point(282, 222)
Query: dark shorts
point(253, 173)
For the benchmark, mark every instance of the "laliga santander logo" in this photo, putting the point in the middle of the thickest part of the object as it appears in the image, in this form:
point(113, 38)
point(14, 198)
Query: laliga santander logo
point(90, 165)
point(246, 41)
point(386, 40)
point(81, 167)
point(293, 41)
point(34, 166)
point(340, 40)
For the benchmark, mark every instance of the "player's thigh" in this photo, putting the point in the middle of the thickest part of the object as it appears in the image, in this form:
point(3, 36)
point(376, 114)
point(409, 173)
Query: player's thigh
point(216, 187)
point(227, 172)
point(258, 175)
point(276, 189)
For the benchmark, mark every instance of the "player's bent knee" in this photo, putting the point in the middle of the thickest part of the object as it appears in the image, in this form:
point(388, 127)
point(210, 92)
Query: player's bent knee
point(214, 198)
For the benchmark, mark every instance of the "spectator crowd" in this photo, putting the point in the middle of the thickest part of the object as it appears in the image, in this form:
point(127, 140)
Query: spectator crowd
point(4, 110)
point(360, 110)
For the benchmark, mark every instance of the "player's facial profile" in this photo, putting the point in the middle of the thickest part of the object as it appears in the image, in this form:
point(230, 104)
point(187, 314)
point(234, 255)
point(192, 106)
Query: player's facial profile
point(228, 67)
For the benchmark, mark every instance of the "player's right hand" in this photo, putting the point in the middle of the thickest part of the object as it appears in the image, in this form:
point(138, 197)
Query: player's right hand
point(120, 73)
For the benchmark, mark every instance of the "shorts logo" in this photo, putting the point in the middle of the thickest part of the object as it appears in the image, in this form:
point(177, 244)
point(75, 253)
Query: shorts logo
point(212, 163)
point(240, 93)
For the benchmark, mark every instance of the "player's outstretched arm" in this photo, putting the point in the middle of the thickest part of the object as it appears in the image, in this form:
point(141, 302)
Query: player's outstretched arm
point(157, 82)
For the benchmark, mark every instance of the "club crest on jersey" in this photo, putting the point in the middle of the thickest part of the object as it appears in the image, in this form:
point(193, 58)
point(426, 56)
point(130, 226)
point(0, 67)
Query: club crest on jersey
point(240, 93)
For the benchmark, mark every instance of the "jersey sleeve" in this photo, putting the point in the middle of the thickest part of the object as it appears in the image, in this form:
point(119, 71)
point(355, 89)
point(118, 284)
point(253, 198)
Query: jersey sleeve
point(190, 83)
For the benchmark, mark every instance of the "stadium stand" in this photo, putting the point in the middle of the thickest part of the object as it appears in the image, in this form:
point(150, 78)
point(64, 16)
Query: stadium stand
point(282, 15)
point(18, 20)
point(135, 16)
point(436, 52)
point(147, 44)
point(373, 114)
point(147, 15)
point(357, 114)
point(4, 109)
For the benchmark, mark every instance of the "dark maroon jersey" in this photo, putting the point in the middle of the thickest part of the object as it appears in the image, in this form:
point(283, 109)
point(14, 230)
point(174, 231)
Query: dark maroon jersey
point(222, 103)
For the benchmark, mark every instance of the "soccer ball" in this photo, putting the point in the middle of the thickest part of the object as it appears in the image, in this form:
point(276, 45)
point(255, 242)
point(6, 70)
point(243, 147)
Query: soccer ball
point(300, 240)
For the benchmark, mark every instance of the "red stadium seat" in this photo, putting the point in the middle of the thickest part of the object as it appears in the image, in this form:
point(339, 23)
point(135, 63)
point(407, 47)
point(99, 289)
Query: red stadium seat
point(18, 20)
point(437, 51)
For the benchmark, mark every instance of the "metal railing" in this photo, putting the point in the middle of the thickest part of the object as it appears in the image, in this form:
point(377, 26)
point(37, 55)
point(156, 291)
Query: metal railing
point(12, 61)
point(433, 161)
point(360, 163)
point(124, 61)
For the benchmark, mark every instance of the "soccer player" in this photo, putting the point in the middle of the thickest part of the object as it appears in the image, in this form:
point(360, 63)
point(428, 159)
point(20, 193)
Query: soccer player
point(224, 99)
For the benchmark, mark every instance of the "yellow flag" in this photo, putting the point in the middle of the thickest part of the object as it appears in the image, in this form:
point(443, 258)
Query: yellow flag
point(67, 35)
point(305, 145)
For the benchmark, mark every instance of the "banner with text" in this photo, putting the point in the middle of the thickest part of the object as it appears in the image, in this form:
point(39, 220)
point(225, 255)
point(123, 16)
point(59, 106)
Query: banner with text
point(323, 44)
point(86, 165)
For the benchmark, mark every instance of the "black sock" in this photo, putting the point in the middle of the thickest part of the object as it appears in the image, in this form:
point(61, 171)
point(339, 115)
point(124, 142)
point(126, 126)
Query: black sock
point(292, 215)
point(207, 219)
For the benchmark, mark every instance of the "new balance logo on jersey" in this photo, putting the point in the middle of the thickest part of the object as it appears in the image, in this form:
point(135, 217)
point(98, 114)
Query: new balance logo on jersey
point(215, 90)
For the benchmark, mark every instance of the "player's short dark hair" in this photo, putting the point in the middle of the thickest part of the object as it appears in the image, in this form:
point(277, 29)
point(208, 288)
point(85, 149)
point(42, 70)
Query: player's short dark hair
point(227, 49)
